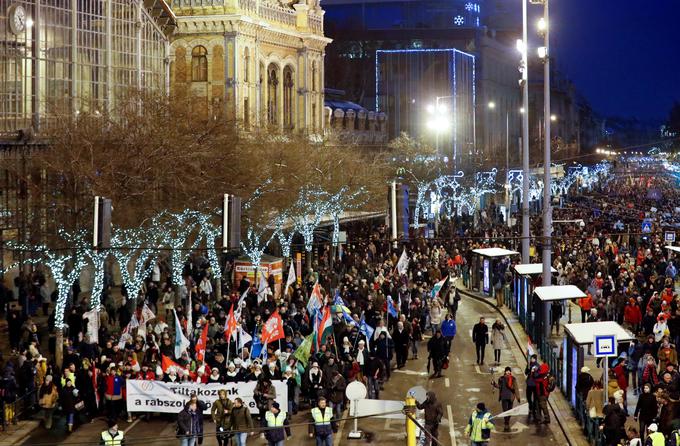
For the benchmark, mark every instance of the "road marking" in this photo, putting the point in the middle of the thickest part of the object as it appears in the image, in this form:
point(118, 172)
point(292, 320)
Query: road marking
point(341, 426)
point(447, 382)
point(452, 431)
point(410, 372)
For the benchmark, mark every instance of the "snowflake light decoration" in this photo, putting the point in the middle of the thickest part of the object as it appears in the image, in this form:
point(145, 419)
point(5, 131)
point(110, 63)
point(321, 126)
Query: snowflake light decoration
point(469, 6)
point(458, 20)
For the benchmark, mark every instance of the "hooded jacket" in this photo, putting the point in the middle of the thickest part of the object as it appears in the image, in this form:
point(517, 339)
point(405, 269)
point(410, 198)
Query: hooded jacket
point(433, 409)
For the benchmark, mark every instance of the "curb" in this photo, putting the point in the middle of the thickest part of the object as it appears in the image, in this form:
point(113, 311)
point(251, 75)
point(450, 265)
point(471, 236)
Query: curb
point(23, 430)
point(571, 440)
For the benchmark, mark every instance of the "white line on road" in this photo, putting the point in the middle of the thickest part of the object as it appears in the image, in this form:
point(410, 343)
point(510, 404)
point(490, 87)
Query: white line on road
point(447, 382)
point(452, 431)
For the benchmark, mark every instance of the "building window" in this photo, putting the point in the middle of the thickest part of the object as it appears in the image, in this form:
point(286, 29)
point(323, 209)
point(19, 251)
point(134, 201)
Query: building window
point(199, 64)
point(288, 98)
point(246, 65)
point(272, 96)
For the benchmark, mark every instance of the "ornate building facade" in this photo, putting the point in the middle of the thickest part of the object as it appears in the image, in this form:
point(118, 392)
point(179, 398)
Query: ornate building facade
point(259, 62)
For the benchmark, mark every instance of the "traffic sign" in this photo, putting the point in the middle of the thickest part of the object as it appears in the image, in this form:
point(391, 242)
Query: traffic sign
point(605, 345)
point(647, 226)
point(669, 237)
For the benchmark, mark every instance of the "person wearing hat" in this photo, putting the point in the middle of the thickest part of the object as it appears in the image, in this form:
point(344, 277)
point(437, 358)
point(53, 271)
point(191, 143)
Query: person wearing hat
point(324, 425)
point(507, 393)
point(584, 382)
point(479, 426)
point(277, 425)
point(112, 436)
point(48, 395)
point(433, 416)
point(654, 437)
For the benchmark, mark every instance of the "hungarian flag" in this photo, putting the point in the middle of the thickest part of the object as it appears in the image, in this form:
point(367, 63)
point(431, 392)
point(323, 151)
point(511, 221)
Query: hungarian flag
point(325, 325)
point(272, 330)
point(200, 344)
point(530, 348)
point(166, 363)
point(231, 324)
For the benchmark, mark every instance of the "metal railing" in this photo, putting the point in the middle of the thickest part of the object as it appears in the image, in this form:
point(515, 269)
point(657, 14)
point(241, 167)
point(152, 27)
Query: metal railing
point(21, 408)
point(591, 426)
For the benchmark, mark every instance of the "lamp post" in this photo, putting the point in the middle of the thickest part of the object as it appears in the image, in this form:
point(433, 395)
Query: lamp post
point(544, 55)
point(524, 83)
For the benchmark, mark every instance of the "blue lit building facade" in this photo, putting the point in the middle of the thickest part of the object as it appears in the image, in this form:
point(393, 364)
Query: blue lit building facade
point(415, 87)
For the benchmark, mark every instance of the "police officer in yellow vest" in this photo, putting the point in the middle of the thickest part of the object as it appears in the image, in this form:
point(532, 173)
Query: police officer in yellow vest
point(277, 425)
point(324, 425)
point(112, 436)
point(654, 438)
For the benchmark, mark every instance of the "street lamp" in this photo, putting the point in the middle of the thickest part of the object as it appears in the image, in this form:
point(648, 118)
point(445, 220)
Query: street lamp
point(524, 84)
point(553, 118)
point(492, 105)
point(439, 122)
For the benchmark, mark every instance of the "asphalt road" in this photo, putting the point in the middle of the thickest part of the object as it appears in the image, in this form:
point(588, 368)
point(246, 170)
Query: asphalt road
point(464, 384)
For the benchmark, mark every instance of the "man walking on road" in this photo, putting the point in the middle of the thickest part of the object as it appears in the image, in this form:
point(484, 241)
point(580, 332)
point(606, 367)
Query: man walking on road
point(532, 367)
point(188, 425)
point(480, 336)
point(323, 424)
point(112, 436)
point(433, 416)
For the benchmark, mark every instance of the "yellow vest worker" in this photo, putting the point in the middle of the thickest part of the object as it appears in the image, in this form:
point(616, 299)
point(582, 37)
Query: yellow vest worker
point(323, 424)
point(112, 436)
point(655, 438)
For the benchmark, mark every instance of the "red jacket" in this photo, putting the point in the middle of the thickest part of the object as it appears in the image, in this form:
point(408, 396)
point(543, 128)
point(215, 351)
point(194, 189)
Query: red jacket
point(632, 314)
point(620, 373)
point(541, 380)
point(146, 376)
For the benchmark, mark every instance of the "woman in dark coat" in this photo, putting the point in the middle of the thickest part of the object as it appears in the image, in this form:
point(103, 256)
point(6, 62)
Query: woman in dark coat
point(646, 408)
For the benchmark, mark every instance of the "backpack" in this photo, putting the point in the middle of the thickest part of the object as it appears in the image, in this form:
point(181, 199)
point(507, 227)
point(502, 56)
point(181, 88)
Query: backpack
point(551, 382)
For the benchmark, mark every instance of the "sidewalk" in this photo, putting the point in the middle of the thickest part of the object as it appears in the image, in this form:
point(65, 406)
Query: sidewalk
point(18, 433)
point(559, 405)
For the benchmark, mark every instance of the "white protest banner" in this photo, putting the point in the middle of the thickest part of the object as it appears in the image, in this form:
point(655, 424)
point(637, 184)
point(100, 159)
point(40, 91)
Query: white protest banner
point(159, 396)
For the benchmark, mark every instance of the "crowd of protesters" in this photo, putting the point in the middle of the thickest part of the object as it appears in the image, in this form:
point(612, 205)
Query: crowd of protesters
point(628, 277)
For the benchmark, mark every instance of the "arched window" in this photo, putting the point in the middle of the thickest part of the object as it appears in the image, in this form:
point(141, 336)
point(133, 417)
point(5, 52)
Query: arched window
point(288, 98)
point(199, 64)
point(272, 94)
point(246, 65)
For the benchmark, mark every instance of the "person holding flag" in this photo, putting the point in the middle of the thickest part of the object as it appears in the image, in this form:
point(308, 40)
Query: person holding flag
point(181, 341)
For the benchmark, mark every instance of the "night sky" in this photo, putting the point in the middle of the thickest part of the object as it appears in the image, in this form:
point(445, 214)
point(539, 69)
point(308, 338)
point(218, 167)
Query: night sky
point(624, 55)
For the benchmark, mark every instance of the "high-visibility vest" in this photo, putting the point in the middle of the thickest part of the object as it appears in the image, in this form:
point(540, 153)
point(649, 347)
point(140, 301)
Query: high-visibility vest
point(275, 420)
point(657, 439)
point(322, 418)
point(110, 440)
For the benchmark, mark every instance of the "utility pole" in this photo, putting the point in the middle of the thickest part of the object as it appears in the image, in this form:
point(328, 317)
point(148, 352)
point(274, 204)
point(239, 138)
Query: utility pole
point(544, 54)
point(525, 135)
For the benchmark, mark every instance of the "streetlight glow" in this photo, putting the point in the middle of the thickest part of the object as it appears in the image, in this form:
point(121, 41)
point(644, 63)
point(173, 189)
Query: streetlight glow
point(29, 23)
point(520, 46)
point(430, 109)
point(492, 105)
point(553, 118)
point(542, 24)
point(542, 52)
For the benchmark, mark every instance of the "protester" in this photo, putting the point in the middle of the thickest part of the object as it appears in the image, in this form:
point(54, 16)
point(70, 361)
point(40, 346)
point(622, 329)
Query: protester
point(507, 394)
point(479, 426)
point(323, 424)
point(433, 417)
point(277, 425)
point(498, 340)
point(112, 436)
point(241, 422)
point(480, 337)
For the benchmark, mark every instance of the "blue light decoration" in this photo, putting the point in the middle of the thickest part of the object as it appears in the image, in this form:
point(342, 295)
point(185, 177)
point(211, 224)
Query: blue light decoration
point(135, 250)
point(65, 265)
point(257, 240)
point(459, 20)
point(174, 230)
point(209, 232)
point(469, 6)
point(515, 178)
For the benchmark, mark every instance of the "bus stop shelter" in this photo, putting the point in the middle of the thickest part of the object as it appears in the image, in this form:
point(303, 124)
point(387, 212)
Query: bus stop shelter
point(547, 294)
point(483, 267)
point(523, 288)
point(582, 335)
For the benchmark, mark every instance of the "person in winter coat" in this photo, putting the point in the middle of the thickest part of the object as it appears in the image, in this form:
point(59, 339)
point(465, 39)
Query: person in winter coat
point(632, 315)
point(435, 315)
point(648, 374)
point(402, 339)
point(646, 409)
point(68, 403)
point(666, 354)
point(614, 423)
point(498, 340)
point(264, 394)
point(241, 422)
point(594, 401)
point(584, 382)
point(433, 415)
point(479, 426)
point(188, 427)
point(480, 336)
point(449, 330)
point(555, 316)
point(221, 416)
point(612, 385)
point(278, 425)
point(532, 398)
point(436, 347)
point(542, 392)
point(48, 395)
point(336, 388)
point(507, 393)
